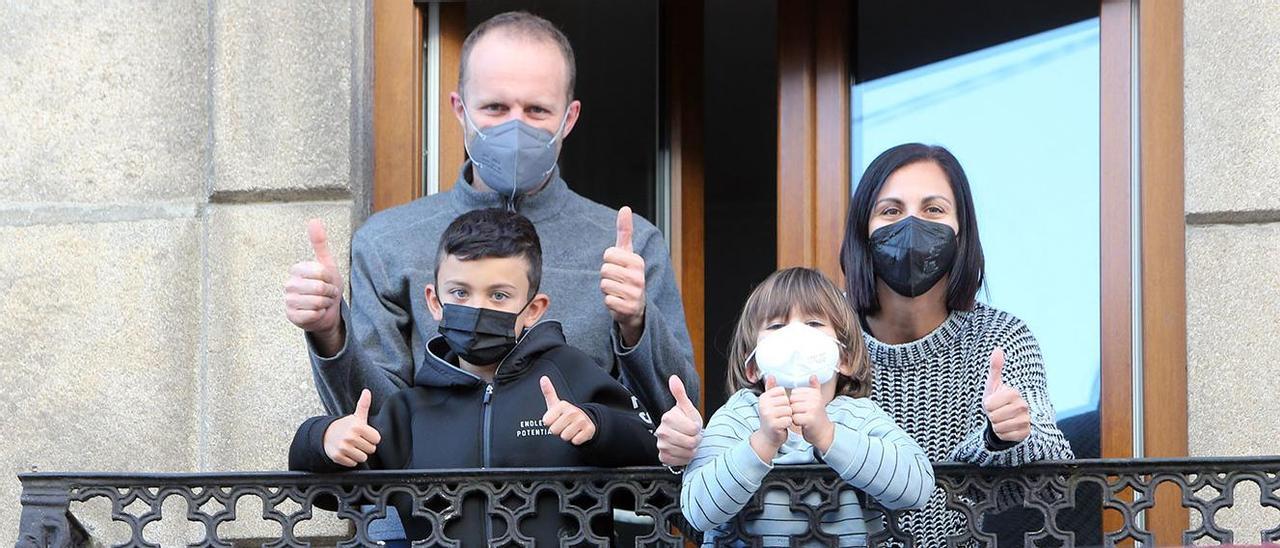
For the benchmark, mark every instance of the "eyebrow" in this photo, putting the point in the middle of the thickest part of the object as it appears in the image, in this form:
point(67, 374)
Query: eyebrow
point(926, 199)
point(464, 284)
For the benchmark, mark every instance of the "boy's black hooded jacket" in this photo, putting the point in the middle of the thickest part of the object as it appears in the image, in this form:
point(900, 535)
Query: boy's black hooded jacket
point(452, 418)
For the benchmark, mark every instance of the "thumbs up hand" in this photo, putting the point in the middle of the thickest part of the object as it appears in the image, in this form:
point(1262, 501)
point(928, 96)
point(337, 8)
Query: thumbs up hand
point(681, 428)
point(313, 293)
point(350, 440)
point(809, 412)
point(622, 282)
point(1009, 414)
point(565, 419)
point(775, 420)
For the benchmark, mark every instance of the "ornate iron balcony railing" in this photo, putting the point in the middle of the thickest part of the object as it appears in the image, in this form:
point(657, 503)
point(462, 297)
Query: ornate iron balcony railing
point(1048, 503)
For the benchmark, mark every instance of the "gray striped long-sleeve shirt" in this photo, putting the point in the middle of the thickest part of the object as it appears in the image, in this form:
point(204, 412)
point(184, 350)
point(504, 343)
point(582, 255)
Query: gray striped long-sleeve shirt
point(869, 452)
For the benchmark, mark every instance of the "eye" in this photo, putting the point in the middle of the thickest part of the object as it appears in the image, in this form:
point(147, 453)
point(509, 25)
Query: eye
point(458, 293)
point(936, 210)
point(774, 326)
point(494, 108)
point(815, 323)
point(499, 296)
point(539, 110)
point(891, 210)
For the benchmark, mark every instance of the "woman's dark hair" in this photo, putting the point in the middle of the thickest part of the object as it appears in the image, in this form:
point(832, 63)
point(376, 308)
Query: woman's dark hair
point(493, 233)
point(966, 275)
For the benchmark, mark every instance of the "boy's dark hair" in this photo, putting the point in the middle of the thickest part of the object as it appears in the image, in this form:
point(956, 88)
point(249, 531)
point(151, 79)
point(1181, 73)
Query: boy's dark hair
point(967, 272)
point(493, 233)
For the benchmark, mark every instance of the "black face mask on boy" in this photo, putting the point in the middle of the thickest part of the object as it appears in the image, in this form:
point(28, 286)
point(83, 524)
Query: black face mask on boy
point(911, 255)
point(481, 336)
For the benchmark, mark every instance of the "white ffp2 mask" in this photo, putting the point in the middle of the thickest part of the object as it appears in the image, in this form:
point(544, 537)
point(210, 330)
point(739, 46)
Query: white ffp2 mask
point(794, 353)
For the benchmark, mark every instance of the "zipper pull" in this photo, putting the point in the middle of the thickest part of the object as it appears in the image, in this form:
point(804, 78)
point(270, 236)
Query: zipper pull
point(488, 393)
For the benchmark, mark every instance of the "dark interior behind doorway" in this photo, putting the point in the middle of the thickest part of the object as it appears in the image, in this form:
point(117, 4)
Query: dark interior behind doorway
point(741, 97)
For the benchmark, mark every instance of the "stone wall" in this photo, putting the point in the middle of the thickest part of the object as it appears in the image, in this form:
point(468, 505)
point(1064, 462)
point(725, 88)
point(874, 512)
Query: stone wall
point(1232, 139)
point(158, 161)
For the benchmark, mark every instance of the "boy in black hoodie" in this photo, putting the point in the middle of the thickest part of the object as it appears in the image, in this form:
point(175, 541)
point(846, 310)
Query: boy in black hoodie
point(500, 389)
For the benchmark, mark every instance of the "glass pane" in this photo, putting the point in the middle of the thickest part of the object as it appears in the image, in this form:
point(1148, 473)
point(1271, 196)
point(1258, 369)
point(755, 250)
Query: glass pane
point(1021, 113)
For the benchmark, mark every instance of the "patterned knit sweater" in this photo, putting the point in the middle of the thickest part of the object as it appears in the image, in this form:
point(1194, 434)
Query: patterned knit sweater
point(933, 389)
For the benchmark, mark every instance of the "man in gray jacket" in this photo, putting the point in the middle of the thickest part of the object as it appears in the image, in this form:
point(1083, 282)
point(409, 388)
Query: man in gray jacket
point(608, 272)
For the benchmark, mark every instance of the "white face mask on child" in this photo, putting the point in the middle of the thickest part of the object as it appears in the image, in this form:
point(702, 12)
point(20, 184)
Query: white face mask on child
point(795, 352)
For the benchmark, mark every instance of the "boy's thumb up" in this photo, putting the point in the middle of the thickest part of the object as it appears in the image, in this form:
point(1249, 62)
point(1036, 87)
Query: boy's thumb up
point(548, 392)
point(362, 406)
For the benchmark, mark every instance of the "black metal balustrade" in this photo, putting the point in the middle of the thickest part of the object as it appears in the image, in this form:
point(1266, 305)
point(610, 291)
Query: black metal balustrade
point(1044, 504)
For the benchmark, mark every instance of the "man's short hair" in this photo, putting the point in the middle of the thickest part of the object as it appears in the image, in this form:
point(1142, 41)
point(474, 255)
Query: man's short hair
point(520, 24)
point(493, 233)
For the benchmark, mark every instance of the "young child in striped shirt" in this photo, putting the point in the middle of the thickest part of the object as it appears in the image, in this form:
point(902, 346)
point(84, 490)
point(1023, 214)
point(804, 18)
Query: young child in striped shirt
point(800, 376)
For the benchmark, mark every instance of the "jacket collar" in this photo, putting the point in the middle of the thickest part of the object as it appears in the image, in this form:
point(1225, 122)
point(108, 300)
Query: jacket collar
point(537, 207)
point(440, 368)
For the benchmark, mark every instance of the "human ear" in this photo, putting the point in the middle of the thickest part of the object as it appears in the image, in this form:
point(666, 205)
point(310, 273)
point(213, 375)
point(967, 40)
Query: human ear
point(537, 307)
point(433, 302)
point(845, 368)
point(455, 102)
point(572, 112)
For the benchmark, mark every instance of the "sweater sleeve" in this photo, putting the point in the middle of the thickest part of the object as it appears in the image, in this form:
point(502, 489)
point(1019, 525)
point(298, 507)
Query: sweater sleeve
point(624, 430)
point(664, 348)
point(725, 472)
point(1023, 370)
point(306, 453)
point(375, 354)
point(624, 437)
point(872, 454)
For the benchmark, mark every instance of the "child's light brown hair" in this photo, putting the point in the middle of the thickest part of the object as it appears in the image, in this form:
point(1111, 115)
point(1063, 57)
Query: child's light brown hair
point(814, 295)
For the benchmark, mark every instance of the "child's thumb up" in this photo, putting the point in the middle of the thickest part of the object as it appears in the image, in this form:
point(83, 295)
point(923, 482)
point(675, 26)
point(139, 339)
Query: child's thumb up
point(548, 392)
point(362, 406)
point(770, 383)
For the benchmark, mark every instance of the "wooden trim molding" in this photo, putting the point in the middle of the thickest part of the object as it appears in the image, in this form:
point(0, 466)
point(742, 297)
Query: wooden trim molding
point(682, 33)
point(1116, 234)
point(1163, 237)
point(453, 31)
point(397, 103)
point(813, 133)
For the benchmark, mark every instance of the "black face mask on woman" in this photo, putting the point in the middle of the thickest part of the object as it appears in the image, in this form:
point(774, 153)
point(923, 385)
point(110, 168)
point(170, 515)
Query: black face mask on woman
point(481, 336)
point(911, 255)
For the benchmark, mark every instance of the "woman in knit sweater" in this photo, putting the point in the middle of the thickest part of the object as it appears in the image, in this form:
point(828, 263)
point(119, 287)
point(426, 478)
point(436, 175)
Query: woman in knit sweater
point(965, 380)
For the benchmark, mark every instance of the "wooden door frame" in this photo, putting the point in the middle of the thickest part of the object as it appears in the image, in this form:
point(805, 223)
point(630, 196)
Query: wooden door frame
point(813, 143)
point(682, 30)
point(813, 133)
point(397, 103)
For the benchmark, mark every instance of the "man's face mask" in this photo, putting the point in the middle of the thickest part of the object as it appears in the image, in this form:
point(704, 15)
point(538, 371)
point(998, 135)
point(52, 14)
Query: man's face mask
point(796, 352)
point(513, 158)
point(911, 255)
point(481, 336)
